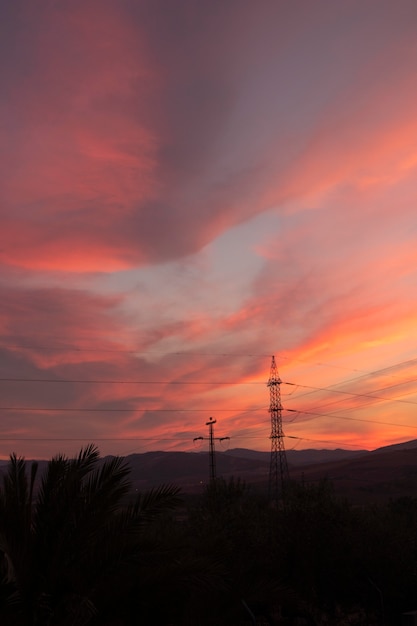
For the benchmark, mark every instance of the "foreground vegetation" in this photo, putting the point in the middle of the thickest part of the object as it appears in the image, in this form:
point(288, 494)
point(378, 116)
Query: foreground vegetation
point(75, 550)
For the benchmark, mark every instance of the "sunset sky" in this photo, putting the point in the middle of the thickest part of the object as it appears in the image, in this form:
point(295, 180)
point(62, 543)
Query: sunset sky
point(190, 187)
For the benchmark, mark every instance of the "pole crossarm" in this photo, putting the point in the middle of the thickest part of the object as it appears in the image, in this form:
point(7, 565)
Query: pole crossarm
point(211, 439)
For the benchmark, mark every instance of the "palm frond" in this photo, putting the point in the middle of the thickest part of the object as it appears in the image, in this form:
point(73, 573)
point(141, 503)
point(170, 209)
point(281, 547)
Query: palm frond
point(52, 479)
point(33, 473)
point(15, 484)
point(86, 460)
point(157, 500)
point(107, 485)
point(15, 513)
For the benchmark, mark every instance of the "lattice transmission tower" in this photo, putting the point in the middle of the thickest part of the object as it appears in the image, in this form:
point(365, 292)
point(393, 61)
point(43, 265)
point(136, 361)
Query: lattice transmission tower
point(278, 468)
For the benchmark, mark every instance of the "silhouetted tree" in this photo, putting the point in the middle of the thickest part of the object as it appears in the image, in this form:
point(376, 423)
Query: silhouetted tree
point(67, 545)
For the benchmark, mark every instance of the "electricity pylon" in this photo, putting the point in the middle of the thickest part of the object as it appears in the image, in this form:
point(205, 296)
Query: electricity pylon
point(278, 468)
point(212, 457)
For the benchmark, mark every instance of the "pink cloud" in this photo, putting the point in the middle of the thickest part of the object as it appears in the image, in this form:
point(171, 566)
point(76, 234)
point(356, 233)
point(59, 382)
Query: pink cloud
point(79, 159)
point(115, 137)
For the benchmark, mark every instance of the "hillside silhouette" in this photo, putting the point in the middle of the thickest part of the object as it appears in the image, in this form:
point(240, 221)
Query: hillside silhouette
point(361, 476)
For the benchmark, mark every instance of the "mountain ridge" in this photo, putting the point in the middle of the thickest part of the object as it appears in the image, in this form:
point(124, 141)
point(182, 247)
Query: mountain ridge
point(360, 475)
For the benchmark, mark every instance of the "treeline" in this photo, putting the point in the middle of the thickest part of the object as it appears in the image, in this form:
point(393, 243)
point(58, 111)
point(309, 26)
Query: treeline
point(77, 549)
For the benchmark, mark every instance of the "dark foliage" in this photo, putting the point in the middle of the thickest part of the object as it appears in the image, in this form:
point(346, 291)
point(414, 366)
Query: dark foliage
point(76, 551)
point(62, 549)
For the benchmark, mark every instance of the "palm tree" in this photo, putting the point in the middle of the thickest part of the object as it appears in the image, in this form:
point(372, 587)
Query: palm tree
point(66, 543)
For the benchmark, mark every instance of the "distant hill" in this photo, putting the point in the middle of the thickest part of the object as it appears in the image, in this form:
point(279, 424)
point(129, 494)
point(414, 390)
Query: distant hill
point(361, 476)
point(190, 470)
point(386, 473)
point(299, 457)
point(406, 445)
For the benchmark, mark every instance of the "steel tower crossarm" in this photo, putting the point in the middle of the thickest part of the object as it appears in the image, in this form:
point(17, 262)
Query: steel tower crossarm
point(212, 455)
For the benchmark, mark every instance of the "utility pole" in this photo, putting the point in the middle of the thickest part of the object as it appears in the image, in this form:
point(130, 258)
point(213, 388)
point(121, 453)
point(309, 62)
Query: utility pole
point(278, 468)
point(211, 439)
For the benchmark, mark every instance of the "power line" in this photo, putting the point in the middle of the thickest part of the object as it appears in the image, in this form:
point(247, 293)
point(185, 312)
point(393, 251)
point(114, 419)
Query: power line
point(70, 348)
point(129, 382)
point(182, 410)
point(91, 439)
point(160, 439)
point(88, 439)
point(353, 419)
point(237, 410)
point(194, 410)
point(138, 351)
point(166, 382)
point(365, 375)
point(120, 410)
point(353, 445)
point(154, 382)
point(358, 406)
point(183, 439)
point(358, 395)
